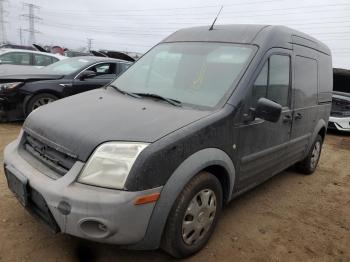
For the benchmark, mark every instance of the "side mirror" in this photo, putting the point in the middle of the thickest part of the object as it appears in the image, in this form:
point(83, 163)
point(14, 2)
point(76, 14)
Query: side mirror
point(268, 110)
point(87, 74)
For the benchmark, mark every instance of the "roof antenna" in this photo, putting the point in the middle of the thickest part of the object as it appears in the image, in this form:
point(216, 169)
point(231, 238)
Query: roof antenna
point(212, 25)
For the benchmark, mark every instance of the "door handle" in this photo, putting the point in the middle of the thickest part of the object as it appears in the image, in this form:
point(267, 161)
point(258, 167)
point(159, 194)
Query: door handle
point(287, 118)
point(298, 116)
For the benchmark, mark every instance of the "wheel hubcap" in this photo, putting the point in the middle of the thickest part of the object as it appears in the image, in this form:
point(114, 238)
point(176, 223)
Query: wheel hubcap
point(42, 101)
point(199, 216)
point(315, 154)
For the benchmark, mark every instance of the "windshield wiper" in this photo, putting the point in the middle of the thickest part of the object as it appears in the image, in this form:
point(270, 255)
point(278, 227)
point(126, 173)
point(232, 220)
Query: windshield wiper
point(171, 101)
point(125, 92)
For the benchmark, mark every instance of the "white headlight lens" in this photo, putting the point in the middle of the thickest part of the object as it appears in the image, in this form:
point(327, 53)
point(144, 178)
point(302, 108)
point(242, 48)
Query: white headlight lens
point(110, 164)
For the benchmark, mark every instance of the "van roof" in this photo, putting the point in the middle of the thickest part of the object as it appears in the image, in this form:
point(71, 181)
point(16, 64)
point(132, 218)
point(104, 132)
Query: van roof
point(261, 35)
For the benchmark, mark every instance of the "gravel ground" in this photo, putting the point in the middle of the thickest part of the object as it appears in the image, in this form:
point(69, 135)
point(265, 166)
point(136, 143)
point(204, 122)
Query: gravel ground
point(289, 218)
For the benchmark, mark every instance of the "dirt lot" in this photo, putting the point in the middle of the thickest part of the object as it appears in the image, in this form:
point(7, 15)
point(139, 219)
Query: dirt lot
point(289, 218)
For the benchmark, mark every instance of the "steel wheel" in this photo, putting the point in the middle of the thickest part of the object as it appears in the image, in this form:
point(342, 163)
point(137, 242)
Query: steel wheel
point(315, 155)
point(193, 216)
point(309, 163)
point(38, 100)
point(199, 216)
point(42, 101)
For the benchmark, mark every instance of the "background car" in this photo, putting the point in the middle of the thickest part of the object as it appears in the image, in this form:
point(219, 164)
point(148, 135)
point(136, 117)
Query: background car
point(14, 61)
point(340, 113)
point(22, 93)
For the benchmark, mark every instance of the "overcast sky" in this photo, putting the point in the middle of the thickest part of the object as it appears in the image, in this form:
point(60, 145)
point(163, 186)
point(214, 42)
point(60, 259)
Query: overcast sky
point(137, 25)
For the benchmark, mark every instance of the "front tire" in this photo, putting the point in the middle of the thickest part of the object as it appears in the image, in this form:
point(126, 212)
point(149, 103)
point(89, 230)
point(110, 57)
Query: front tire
point(193, 217)
point(39, 100)
point(309, 164)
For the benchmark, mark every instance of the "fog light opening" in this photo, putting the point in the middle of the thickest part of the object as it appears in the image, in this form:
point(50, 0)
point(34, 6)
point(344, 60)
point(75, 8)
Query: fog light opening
point(95, 228)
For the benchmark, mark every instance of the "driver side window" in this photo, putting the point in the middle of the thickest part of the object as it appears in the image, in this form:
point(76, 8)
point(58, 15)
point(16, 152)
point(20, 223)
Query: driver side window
point(273, 81)
point(103, 69)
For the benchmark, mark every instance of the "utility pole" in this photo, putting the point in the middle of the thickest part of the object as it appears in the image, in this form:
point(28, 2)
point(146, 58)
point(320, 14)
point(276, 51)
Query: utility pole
point(3, 38)
point(21, 36)
point(31, 19)
point(89, 42)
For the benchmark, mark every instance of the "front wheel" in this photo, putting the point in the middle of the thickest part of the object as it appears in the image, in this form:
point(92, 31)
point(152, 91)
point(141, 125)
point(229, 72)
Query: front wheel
point(193, 217)
point(39, 100)
point(309, 164)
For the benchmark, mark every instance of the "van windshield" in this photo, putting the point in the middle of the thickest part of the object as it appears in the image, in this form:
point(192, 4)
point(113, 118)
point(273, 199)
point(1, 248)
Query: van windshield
point(194, 73)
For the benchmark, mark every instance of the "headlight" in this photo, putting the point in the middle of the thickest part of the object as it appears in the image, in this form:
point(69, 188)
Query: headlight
point(110, 164)
point(9, 86)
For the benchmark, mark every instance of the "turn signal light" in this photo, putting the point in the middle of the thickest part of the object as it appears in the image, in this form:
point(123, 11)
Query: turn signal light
point(146, 199)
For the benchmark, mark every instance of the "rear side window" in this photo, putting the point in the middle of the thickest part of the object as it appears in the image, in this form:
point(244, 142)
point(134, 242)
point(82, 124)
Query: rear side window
point(42, 60)
point(16, 58)
point(273, 81)
point(306, 80)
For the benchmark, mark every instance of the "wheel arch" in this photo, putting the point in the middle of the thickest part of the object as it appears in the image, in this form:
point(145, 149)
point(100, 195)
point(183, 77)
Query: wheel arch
point(28, 97)
point(223, 176)
point(212, 160)
point(322, 132)
point(320, 129)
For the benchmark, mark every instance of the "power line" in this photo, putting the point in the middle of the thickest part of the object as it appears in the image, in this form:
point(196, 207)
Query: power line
point(162, 32)
point(31, 19)
point(226, 10)
point(151, 29)
point(167, 9)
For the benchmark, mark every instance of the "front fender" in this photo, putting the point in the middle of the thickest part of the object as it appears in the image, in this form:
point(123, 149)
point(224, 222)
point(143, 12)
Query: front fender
point(171, 190)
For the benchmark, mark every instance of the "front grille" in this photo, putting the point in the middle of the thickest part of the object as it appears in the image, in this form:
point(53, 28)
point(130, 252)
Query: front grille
point(59, 161)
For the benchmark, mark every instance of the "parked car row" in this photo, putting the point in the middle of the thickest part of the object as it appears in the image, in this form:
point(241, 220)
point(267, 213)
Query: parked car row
point(150, 160)
point(18, 60)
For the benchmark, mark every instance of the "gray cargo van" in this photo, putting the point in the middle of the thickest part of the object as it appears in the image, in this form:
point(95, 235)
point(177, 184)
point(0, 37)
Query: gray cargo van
point(150, 160)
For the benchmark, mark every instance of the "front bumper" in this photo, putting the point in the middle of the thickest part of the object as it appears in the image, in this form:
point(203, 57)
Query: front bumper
point(89, 212)
point(339, 123)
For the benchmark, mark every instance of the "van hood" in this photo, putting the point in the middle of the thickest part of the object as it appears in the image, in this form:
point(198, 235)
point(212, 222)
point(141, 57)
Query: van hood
point(78, 124)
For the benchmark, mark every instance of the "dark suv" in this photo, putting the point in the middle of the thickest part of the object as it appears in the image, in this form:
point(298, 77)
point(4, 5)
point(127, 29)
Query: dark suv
point(151, 160)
